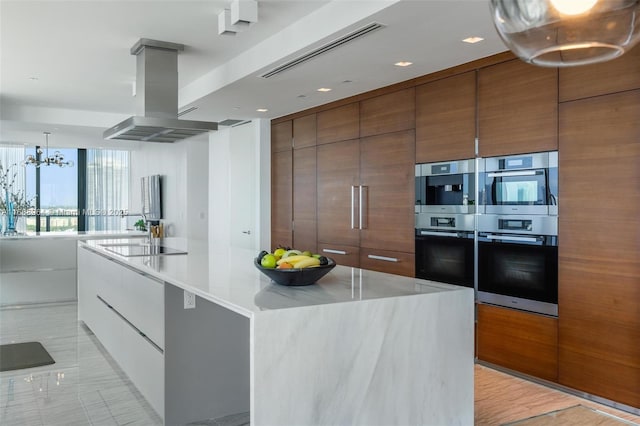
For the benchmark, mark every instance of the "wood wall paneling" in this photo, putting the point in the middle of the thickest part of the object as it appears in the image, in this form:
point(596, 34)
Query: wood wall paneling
point(388, 113)
point(281, 199)
point(281, 136)
point(518, 340)
point(446, 119)
point(599, 262)
point(338, 124)
point(403, 264)
point(387, 172)
point(600, 79)
point(304, 199)
point(338, 169)
point(304, 131)
point(517, 109)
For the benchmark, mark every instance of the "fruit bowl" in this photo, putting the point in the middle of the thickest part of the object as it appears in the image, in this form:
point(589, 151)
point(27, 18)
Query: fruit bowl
point(296, 277)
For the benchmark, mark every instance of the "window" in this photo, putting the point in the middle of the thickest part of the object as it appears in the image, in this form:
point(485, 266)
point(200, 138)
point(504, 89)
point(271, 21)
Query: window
point(107, 189)
point(92, 195)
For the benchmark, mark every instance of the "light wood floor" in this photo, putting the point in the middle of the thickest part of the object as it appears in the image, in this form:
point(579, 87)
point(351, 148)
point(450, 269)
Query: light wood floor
point(501, 398)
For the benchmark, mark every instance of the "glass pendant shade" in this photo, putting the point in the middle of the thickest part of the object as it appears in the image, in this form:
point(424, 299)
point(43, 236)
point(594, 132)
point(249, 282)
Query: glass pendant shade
point(560, 33)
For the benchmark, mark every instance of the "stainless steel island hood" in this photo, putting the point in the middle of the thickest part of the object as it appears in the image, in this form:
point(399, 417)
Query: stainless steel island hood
point(157, 98)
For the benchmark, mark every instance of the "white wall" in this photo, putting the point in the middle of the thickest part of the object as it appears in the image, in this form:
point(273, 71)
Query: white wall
point(183, 167)
point(238, 201)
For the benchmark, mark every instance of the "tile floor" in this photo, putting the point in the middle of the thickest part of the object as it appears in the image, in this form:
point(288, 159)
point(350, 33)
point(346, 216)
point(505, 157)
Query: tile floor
point(83, 387)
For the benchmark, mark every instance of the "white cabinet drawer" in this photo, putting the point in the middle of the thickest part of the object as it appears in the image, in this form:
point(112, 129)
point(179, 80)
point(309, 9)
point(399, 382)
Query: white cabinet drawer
point(143, 304)
point(144, 364)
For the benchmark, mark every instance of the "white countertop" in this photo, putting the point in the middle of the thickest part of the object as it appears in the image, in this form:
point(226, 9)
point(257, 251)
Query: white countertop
point(77, 235)
point(228, 277)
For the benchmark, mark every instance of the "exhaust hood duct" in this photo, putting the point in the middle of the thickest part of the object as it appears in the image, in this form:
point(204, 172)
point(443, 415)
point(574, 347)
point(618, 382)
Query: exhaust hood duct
point(157, 98)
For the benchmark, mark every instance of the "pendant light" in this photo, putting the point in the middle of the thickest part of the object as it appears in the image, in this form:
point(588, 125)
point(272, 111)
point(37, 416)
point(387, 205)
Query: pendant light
point(57, 159)
point(562, 33)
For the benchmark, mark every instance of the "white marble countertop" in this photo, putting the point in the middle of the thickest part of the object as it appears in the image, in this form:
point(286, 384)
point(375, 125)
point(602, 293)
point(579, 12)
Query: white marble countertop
point(228, 277)
point(77, 235)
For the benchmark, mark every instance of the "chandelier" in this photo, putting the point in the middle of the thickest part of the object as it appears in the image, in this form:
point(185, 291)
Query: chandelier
point(561, 33)
point(57, 159)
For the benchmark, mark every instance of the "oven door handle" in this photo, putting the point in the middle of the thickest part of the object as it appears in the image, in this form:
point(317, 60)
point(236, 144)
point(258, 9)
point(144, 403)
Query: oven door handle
point(439, 234)
point(514, 173)
point(512, 238)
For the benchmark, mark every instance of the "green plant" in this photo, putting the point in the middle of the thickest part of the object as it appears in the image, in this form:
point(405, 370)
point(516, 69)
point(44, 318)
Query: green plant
point(140, 225)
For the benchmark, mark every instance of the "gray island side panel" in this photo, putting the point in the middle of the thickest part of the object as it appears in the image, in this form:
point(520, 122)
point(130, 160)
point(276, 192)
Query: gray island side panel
point(206, 360)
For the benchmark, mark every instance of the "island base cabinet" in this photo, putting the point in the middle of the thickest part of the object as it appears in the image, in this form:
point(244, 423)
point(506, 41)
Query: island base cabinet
point(518, 340)
point(107, 295)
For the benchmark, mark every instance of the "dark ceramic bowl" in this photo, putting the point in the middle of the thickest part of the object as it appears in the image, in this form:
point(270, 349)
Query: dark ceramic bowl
point(293, 277)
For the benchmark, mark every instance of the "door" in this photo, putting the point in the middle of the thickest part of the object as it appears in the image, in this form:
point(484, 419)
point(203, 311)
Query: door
point(242, 187)
point(338, 180)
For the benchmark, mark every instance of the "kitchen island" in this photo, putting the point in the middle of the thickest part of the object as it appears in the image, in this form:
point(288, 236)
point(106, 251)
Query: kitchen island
point(358, 347)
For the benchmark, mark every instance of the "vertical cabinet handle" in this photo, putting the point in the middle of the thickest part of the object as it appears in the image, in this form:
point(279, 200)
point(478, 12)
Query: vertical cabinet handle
point(353, 214)
point(364, 206)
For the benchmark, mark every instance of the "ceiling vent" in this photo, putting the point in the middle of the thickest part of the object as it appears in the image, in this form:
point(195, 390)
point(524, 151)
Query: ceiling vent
point(354, 35)
point(233, 122)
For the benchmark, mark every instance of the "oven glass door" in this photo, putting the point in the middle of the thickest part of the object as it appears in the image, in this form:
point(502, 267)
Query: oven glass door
point(446, 259)
point(519, 269)
point(517, 188)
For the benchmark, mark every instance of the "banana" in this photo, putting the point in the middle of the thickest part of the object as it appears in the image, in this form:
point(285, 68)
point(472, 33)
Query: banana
point(306, 263)
point(292, 260)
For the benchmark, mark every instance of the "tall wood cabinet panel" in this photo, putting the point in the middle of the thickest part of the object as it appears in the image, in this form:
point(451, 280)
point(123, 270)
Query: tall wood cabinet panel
point(600, 79)
point(446, 119)
point(599, 234)
point(518, 340)
point(338, 171)
point(281, 198)
point(281, 136)
point(388, 113)
point(304, 131)
point(517, 109)
point(338, 124)
point(304, 199)
point(387, 176)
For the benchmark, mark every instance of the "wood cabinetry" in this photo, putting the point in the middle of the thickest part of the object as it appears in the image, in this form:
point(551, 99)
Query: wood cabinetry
point(518, 340)
point(517, 109)
point(392, 262)
point(364, 187)
point(599, 234)
point(282, 198)
point(338, 178)
point(388, 113)
point(446, 119)
point(338, 124)
point(304, 199)
point(304, 131)
point(281, 136)
point(600, 79)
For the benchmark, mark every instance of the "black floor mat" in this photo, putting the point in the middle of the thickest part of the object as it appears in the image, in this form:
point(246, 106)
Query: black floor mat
point(16, 356)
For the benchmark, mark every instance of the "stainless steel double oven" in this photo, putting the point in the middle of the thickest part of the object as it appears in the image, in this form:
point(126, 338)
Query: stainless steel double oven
point(502, 238)
point(518, 232)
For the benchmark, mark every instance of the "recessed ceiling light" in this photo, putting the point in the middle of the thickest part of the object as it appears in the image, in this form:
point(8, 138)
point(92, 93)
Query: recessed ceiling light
point(472, 40)
point(403, 64)
point(262, 110)
point(236, 107)
point(347, 81)
point(302, 96)
point(324, 89)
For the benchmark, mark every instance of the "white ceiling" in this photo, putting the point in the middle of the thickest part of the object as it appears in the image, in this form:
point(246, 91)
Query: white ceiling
point(78, 51)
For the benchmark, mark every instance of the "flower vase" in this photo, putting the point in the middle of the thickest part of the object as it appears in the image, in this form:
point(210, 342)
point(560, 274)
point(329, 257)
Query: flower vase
point(10, 228)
